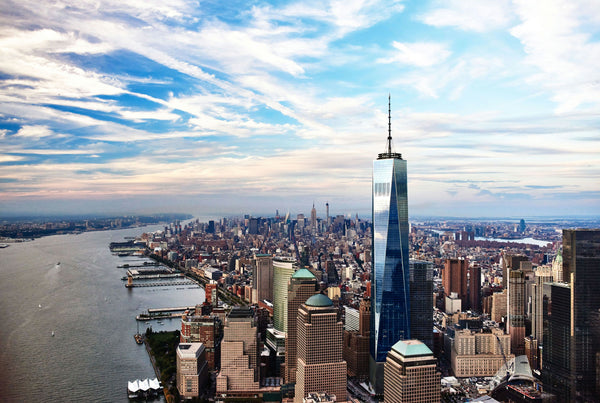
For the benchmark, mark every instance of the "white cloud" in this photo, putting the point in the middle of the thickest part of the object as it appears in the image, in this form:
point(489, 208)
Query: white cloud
point(478, 16)
point(566, 57)
point(420, 54)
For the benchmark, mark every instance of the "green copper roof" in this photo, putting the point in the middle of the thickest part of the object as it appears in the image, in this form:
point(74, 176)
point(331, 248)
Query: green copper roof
point(411, 348)
point(319, 300)
point(303, 273)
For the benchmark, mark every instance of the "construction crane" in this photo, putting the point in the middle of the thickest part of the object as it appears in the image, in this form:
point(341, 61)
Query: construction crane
point(504, 357)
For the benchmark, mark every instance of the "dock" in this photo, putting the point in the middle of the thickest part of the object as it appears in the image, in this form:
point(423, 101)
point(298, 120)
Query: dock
point(161, 284)
point(164, 313)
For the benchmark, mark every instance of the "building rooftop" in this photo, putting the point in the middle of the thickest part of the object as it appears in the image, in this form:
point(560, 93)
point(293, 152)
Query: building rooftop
point(411, 348)
point(319, 300)
point(303, 273)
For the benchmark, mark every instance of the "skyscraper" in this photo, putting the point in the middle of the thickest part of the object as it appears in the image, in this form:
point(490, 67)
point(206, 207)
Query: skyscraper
point(321, 367)
point(239, 376)
point(303, 285)
point(421, 303)
point(571, 349)
point(282, 271)
point(516, 311)
point(390, 313)
point(411, 374)
point(262, 279)
point(313, 218)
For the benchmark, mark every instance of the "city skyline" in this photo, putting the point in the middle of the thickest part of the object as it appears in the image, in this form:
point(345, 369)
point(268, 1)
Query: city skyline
point(251, 107)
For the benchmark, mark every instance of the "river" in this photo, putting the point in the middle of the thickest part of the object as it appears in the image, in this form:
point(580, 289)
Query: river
point(84, 302)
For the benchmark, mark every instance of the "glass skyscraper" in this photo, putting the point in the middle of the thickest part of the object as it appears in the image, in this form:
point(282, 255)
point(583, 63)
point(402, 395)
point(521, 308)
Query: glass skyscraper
point(390, 312)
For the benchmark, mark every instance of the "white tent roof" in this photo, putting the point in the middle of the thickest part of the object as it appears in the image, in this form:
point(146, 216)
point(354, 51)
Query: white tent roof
point(144, 385)
point(133, 386)
point(154, 384)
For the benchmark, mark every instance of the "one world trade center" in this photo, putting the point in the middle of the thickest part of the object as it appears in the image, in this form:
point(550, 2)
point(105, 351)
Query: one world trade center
point(390, 305)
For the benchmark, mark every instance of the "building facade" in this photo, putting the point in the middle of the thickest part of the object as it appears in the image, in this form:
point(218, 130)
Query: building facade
point(321, 367)
point(572, 345)
point(303, 285)
point(282, 272)
point(390, 310)
point(516, 311)
point(479, 353)
point(411, 374)
point(192, 371)
point(356, 343)
point(239, 376)
point(421, 302)
point(262, 279)
point(454, 279)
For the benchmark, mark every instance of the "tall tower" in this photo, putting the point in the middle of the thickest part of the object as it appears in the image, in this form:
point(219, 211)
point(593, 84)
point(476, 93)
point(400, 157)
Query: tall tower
point(516, 311)
point(262, 280)
point(321, 367)
point(303, 285)
point(282, 271)
point(327, 216)
point(313, 218)
point(411, 374)
point(572, 353)
point(390, 313)
point(421, 304)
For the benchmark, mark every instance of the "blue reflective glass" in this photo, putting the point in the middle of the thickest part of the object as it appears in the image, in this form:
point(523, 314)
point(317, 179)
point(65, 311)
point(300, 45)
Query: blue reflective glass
point(390, 312)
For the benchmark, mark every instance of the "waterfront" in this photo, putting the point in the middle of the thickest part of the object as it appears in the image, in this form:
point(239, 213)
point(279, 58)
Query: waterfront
point(83, 301)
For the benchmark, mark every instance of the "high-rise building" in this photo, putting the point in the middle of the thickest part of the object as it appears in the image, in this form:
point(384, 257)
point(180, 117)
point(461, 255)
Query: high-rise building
point(516, 311)
point(239, 376)
point(313, 218)
point(557, 268)
point(474, 286)
point(192, 372)
point(321, 367)
point(571, 358)
point(421, 302)
point(454, 279)
point(542, 275)
point(479, 353)
point(303, 285)
point(356, 343)
point(262, 279)
point(282, 272)
point(499, 306)
point(411, 374)
point(390, 312)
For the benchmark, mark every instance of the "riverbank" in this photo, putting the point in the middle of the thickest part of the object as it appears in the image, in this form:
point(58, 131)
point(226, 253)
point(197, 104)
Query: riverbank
point(162, 350)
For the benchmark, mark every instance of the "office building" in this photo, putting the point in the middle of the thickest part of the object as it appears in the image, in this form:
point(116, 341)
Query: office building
point(303, 285)
point(313, 218)
point(571, 351)
point(454, 279)
point(516, 311)
point(390, 311)
point(192, 371)
point(543, 275)
point(499, 306)
point(411, 374)
point(476, 353)
point(282, 272)
point(421, 303)
point(262, 279)
point(321, 367)
point(239, 376)
point(557, 268)
point(474, 287)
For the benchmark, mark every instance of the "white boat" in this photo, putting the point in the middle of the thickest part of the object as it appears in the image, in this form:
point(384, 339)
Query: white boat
point(53, 333)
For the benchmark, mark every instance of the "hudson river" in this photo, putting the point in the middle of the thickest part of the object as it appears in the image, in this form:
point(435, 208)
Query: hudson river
point(84, 302)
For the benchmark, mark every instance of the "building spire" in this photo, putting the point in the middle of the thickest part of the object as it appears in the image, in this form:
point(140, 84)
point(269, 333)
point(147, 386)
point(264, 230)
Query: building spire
point(388, 152)
point(389, 123)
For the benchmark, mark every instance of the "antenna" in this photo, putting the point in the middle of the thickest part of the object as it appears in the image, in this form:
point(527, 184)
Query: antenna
point(389, 153)
point(389, 123)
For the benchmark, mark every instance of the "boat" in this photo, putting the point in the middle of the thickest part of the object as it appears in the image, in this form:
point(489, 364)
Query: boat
point(40, 305)
point(139, 339)
point(53, 333)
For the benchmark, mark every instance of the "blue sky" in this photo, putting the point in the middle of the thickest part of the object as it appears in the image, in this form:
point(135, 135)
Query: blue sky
point(213, 107)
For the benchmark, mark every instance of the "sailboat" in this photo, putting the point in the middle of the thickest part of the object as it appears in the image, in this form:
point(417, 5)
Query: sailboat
point(53, 333)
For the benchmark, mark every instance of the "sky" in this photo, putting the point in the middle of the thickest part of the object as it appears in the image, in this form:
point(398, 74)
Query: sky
point(245, 107)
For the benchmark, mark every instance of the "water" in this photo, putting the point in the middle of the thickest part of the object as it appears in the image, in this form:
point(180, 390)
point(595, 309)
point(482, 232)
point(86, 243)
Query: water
point(83, 301)
point(530, 241)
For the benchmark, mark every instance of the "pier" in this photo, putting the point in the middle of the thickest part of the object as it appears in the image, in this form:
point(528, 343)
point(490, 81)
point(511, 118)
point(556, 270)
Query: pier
point(164, 313)
point(161, 284)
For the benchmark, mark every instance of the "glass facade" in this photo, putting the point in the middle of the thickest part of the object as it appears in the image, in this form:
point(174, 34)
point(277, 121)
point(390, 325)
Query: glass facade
point(390, 313)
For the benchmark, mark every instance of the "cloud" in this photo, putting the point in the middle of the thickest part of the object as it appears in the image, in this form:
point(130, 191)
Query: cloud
point(477, 16)
point(565, 55)
point(420, 54)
